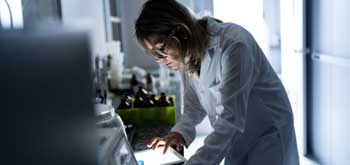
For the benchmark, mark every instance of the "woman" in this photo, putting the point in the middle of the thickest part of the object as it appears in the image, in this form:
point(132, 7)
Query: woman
point(226, 77)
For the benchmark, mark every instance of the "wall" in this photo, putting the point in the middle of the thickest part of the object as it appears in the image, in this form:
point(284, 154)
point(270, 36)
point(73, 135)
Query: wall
point(271, 12)
point(87, 15)
point(329, 139)
point(35, 11)
point(134, 55)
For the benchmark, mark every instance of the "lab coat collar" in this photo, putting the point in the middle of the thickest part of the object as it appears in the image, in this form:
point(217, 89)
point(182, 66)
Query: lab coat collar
point(214, 38)
point(212, 45)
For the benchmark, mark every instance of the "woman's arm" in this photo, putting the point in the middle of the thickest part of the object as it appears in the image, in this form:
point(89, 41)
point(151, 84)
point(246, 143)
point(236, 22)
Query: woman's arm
point(192, 116)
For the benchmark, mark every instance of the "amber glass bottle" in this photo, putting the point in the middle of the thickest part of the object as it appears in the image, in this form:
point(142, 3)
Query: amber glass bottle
point(125, 102)
point(149, 83)
point(141, 92)
point(149, 102)
point(171, 101)
point(153, 99)
point(133, 83)
point(139, 102)
point(163, 100)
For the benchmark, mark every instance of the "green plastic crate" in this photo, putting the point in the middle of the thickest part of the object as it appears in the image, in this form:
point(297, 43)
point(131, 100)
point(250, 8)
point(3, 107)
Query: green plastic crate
point(144, 117)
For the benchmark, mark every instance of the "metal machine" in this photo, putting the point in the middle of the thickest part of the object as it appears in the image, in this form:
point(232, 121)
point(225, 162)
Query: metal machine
point(114, 148)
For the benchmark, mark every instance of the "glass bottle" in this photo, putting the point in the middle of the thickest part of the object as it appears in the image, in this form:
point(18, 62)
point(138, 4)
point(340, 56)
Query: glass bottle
point(163, 100)
point(125, 103)
point(133, 83)
point(148, 102)
point(139, 102)
point(149, 83)
point(153, 99)
point(171, 101)
point(128, 99)
point(141, 92)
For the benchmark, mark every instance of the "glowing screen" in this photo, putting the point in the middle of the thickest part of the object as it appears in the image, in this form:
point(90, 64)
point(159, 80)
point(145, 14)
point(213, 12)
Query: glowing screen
point(156, 157)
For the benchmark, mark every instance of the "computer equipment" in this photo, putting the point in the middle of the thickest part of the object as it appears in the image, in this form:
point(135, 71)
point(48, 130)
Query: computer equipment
point(149, 157)
point(46, 96)
point(114, 148)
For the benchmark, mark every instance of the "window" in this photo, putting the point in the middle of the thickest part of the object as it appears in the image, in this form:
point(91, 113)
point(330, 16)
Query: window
point(113, 19)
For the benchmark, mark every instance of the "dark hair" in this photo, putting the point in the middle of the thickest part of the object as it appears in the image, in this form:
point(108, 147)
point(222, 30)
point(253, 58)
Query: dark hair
point(160, 17)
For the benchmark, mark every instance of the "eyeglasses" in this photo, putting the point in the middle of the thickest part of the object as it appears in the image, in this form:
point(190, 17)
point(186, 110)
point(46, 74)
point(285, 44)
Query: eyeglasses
point(160, 53)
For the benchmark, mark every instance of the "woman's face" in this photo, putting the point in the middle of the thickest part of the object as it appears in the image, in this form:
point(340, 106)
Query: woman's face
point(165, 52)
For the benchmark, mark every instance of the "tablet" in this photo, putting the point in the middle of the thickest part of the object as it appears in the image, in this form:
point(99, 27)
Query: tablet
point(156, 157)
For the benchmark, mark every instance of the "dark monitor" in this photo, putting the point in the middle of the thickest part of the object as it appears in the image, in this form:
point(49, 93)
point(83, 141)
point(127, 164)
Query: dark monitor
point(47, 115)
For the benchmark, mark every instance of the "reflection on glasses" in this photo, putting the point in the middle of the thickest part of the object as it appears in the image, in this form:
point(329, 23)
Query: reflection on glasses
point(159, 53)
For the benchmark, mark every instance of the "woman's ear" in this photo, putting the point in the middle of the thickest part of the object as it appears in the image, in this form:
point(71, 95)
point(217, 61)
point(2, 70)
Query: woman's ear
point(183, 31)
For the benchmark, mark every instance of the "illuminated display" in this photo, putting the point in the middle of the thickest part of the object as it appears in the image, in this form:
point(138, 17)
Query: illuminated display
point(156, 157)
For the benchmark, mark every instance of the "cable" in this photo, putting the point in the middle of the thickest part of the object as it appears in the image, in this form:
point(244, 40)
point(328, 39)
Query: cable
point(10, 12)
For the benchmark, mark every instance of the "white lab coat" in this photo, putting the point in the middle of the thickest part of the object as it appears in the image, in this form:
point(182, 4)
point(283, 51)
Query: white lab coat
point(245, 101)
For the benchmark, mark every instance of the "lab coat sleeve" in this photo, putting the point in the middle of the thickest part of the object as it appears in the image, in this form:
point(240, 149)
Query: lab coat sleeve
point(192, 116)
point(238, 77)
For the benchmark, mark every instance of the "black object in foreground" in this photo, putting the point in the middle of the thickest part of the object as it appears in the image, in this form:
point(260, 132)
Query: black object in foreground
point(46, 98)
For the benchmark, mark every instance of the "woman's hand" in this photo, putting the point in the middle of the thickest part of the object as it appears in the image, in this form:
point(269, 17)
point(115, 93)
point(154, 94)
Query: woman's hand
point(172, 138)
